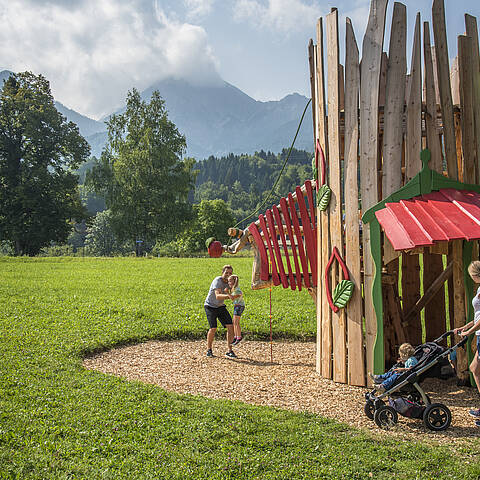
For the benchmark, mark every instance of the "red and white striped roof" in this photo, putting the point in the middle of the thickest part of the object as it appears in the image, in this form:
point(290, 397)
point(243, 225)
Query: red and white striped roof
point(445, 215)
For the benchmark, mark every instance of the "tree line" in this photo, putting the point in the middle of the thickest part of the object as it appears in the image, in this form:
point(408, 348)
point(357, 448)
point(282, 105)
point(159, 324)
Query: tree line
point(140, 196)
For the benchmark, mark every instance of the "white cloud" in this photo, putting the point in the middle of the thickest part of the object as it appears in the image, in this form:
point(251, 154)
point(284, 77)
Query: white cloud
point(94, 51)
point(198, 8)
point(282, 15)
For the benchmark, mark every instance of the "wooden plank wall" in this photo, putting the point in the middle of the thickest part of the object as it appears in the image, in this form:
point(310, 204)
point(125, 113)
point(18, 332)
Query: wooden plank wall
point(356, 366)
point(383, 151)
point(335, 207)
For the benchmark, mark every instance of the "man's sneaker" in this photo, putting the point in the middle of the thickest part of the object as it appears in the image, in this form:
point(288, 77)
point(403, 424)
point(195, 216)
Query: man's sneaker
point(475, 412)
point(236, 341)
point(477, 423)
point(209, 353)
point(230, 354)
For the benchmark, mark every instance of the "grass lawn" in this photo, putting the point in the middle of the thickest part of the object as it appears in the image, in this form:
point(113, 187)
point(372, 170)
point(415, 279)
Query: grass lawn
point(58, 421)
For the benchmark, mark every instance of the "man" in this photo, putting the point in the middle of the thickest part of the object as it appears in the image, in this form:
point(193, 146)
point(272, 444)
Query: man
point(215, 309)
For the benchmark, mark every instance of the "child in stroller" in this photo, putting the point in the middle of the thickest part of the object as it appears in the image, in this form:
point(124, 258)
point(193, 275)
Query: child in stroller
point(405, 394)
point(406, 361)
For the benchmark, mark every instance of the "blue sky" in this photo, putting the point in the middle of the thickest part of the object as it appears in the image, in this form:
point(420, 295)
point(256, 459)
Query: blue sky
point(94, 51)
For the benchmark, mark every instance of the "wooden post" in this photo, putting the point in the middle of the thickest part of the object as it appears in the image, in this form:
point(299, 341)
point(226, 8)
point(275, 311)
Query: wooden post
point(469, 147)
point(443, 72)
point(372, 48)
point(356, 367)
point(324, 313)
point(414, 109)
point(394, 102)
point(472, 32)
point(311, 64)
point(459, 304)
point(335, 206)
point(433, 140)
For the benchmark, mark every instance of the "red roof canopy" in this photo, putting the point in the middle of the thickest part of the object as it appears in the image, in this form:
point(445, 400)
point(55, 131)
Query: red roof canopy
point(447, 214)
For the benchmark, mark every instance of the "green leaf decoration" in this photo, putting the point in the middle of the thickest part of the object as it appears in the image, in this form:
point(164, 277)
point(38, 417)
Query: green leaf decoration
point(314, 169)
point(323, 197)
point(343, 293)
point(209, 241)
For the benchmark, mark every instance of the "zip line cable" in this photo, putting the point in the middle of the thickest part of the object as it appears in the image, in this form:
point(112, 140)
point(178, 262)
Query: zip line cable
point(281, 171)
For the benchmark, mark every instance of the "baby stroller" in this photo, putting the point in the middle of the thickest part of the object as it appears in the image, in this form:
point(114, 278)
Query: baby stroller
point(407, 397)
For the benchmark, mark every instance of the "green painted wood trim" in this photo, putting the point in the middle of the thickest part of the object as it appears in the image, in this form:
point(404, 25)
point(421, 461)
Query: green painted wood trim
point(469, 291)
point(377, 298)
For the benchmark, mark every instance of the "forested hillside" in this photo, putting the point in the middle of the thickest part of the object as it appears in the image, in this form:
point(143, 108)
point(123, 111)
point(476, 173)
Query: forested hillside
point(243, 181)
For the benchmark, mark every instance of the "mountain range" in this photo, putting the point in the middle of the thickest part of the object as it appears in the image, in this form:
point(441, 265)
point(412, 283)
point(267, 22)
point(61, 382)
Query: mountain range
point(216, 120)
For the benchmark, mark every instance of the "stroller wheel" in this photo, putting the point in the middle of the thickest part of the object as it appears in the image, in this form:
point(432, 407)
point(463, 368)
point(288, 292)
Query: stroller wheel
point(385, 417)
point(369, 409)
point(437, 417)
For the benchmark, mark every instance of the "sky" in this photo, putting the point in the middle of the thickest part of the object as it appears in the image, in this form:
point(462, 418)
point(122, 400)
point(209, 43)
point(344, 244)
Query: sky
point(94, 51)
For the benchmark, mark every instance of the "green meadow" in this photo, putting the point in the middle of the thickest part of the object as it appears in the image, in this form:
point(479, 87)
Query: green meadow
point(59, 421)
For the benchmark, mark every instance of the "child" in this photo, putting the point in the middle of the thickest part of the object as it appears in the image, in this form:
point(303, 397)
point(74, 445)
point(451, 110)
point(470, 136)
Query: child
point(407, 356)
point(238, 307)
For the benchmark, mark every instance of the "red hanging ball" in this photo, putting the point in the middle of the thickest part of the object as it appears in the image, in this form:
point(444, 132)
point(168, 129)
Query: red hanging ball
point(215, 249)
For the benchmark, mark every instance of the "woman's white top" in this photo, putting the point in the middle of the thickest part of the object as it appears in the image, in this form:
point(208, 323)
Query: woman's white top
point(476, 308)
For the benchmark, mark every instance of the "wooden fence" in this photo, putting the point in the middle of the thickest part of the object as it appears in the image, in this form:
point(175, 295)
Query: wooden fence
point(379, 118)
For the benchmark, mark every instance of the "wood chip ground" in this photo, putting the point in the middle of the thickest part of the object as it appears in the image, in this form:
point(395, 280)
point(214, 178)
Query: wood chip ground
point(289, 382)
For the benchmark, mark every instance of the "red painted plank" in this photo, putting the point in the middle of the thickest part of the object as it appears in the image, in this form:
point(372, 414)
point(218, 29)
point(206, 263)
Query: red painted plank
point(301, 251)
point(288, 223)
point(394, 230)
point(452, 221)
point(276, 248)
point(253, 229)
point(307, 234)
point(467, 202)
point(278, 219)
point(418, 210)
point(309, 188)
point(417, 236)
point(263, 226)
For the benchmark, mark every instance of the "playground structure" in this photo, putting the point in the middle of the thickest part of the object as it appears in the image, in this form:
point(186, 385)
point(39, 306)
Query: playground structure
point(421, 213)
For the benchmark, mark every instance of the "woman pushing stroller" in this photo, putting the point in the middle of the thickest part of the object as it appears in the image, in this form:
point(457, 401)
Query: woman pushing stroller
point(471, 327)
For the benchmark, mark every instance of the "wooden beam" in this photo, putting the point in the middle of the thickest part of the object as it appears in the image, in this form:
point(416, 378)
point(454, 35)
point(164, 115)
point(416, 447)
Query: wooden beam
point(469, 147)
point(429, 293)
point(356, 364)
point(372, 48)
point(311, 64)
point(459, 305)
point(394, 102)
point(443, 72)
point(335, 206)
point(414, 109)
point(433, 139)
point(324, 313)
point(472, 32)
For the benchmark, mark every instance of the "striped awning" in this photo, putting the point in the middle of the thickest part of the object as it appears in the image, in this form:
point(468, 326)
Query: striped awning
point(440, 216)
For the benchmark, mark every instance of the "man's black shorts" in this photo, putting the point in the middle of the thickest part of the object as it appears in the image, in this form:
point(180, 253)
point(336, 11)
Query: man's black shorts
point(221, 313)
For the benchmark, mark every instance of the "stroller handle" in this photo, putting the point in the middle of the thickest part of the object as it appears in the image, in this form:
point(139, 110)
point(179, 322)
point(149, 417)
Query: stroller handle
point(445, 335)
point(451, 333)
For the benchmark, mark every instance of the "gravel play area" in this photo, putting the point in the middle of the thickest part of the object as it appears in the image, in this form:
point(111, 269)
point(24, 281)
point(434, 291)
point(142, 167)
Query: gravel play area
point(289, 382)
